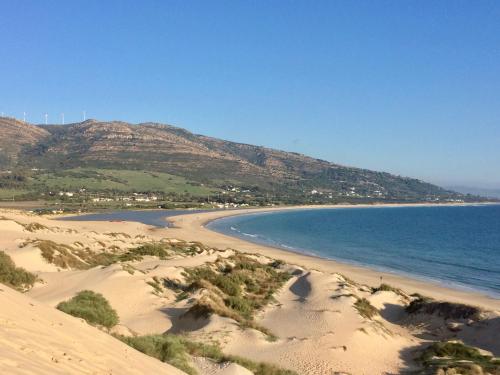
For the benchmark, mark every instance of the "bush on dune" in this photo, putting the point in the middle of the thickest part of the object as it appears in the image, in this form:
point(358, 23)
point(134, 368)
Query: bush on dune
point(446, 310)
point(166, 348)
point(237, 287)
point(15, 277)
point(461, 358)
point(176, 350)
point(365, 308)
point(92, 307)
point(388, 288)
point(152, 249)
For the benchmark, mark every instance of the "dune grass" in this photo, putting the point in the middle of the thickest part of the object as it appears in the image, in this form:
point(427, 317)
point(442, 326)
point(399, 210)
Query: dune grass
point(156, 249)
point(389, 288)
point(365, 308)
point(15, 277)
point(176, 350)
point(33, 227)
point(238, 286)
point(446, 310)
point(61, 255)
point(77, 257)
point(166, 348)
point(455, 356)
point(161, 250)
point(92, 307)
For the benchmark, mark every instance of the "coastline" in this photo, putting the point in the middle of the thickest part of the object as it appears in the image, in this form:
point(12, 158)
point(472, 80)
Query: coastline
point(192, 227)
point(315, 320)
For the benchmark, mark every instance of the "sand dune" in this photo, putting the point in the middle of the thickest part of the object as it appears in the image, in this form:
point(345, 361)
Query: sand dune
point(317, 325)
point(37, 339)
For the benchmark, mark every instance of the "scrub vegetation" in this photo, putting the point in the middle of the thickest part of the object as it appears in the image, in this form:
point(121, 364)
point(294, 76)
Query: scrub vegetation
point(15, 277)
point(92, 307)
point(365, 308)
point(456, 358)
point(176, 350)
point(446, 310)
point(237, 287)
point(75, 257)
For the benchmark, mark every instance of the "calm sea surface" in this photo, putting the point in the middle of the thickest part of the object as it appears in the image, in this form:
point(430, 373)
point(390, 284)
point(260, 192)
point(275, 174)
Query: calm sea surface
point(458, 246)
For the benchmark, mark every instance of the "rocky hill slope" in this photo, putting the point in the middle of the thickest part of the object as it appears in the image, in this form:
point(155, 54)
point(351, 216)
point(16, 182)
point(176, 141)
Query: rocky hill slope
point(14, 135)
point(164, 148)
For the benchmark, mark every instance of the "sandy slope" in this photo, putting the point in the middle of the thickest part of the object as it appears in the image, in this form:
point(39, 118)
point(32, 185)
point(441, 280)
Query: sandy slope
point(318, 329)
point(327, 333)
point(37, 339)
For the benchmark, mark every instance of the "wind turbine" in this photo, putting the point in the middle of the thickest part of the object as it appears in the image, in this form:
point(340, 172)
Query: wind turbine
point(84, 113)
point(24, 116)
point(46, 119)
point(62, 118)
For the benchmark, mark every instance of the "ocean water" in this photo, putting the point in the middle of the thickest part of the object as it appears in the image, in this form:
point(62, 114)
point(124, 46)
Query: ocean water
point(455, 245)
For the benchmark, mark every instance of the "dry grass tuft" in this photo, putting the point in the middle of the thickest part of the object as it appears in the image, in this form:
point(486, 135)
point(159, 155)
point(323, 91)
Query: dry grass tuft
point(15, 277)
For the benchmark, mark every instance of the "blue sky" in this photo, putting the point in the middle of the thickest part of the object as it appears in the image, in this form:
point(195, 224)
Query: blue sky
point(409, 87)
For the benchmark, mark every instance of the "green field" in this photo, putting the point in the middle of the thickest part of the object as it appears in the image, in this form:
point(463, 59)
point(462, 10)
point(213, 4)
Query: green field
point(8, 194)
point(118, 180)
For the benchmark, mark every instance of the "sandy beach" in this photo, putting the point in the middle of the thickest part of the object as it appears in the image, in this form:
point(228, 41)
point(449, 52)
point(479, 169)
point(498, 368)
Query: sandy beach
point(192, 227)
point(324, 318)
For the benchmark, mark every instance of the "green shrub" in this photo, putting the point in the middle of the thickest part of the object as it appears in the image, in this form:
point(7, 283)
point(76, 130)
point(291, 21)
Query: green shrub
point(365, 308)
point(92, 307)
point(455, 355)
point(447, 310)
point(152, 249)
point(215, 353)
point(15, 277)
point(175, 350)
point(241, 305)
point(260, 368)
point(243, 283)
point(388, 288)
point(181, 296)
point(228, 285)
point(129, 256)
point(102, 259)
point(166, 348)
point(277, 263)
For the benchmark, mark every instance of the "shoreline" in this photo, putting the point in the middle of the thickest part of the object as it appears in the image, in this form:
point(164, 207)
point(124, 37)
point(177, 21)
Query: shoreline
point(373, 268)
point(192, 227)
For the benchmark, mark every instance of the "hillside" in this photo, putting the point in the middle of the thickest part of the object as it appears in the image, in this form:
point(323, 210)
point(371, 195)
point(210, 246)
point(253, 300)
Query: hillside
point(14, 135)
point(200, 159)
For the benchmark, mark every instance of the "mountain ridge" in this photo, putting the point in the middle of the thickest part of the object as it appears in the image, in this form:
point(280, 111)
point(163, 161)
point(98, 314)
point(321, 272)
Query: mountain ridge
point(170, 149)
